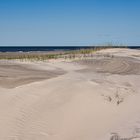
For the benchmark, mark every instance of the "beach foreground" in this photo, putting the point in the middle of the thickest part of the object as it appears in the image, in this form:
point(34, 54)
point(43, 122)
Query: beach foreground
point(94, 98)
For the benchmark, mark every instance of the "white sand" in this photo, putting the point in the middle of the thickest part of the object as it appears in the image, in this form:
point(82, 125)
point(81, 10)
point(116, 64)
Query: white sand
point(83, 103)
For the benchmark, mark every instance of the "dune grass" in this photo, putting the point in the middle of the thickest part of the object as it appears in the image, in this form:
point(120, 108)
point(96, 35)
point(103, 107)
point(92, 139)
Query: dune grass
point(81, 53)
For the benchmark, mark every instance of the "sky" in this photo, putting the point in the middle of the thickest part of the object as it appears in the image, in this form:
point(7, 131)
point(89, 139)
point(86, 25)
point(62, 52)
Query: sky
point(69, 22)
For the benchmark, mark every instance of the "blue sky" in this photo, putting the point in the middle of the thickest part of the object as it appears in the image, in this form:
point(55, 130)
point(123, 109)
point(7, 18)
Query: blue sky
point(69, 22)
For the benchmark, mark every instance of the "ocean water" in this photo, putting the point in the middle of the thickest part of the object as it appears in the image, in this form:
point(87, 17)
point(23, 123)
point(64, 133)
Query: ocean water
point(37, 48)
point(46, 48)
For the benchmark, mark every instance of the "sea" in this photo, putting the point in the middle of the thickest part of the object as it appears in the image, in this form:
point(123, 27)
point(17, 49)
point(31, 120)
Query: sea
point(48, 48)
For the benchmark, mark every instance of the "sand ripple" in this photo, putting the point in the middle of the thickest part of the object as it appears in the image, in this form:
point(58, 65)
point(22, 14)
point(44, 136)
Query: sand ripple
point(13, 75)
point(116, 65)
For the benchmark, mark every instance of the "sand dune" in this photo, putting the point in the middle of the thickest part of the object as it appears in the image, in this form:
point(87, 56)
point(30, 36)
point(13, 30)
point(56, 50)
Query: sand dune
point(92, 99)
point(15, 74)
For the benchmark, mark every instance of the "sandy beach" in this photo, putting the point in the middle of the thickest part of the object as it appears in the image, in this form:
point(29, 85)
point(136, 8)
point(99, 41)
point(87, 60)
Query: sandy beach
point(96, 98)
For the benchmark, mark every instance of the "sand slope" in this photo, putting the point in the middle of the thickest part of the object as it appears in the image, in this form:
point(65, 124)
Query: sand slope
point(82, 100)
